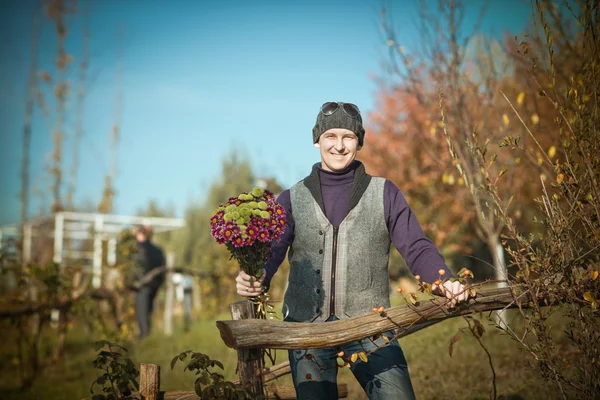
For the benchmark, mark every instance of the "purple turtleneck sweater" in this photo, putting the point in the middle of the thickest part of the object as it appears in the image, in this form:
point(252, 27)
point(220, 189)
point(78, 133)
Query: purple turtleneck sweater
point(420, 254)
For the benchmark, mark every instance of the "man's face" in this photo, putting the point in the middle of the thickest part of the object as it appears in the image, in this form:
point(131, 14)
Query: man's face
point(338, 149)
point(141, 236)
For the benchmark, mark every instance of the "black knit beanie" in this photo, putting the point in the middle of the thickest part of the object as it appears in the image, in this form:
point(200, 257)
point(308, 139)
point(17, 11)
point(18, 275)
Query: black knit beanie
point(339, 119)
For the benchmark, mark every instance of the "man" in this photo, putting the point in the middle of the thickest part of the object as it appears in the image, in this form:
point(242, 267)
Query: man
point(341, 222)
point(149, 257)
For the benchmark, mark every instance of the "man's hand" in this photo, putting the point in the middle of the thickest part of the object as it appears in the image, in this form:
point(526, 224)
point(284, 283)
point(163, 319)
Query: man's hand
point(455, 291)
point(249, 286)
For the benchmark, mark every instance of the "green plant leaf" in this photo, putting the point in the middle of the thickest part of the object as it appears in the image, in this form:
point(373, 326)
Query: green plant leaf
point(174, 361)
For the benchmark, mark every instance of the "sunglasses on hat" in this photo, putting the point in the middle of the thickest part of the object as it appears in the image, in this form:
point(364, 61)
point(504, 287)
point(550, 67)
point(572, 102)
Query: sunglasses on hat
point(331, 107)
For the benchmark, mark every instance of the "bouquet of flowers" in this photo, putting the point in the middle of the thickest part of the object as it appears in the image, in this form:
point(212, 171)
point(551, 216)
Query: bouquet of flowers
point(247, 224)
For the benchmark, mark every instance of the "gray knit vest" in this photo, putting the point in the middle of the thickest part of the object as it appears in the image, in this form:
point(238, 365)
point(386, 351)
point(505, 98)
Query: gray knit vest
point(360, 265)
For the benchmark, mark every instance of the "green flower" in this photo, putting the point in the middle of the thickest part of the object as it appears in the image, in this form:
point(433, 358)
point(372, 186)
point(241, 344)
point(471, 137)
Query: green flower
point(244, 197)
point(256, 212)
point(235, 215)
point(262, 205)
point(239, 221)
point(227, 217)
point(246, 219)
point(245, 212)
point(230, 208)
point(253, 204)
point(257, 192)
point(265, 214)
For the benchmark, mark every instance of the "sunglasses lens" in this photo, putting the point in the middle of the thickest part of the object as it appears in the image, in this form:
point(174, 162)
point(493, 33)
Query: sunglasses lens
point(351, 110)
point(329, 108)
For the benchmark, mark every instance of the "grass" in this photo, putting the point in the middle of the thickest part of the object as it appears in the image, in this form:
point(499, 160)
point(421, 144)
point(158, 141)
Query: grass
point(465, 375)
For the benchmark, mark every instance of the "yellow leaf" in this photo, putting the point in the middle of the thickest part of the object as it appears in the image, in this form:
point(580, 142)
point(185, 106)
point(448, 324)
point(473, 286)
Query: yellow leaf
point(461, 181)
point(390, 42)
point(520, 98)
point(432, 130)
point(518, 160)
point(440, 124)
point(540, 160)
point(451, 179)
point(505, 119)
point(445, 178)
point(363, 356)
point(353, 357)
point(401, 49)
point(535, 119)
point(594, 274)
point(588, 297)
point(552, 151)
point(559, 178)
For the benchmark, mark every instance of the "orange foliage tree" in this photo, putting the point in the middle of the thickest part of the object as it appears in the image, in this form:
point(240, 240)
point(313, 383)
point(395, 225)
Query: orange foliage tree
point(476, 81)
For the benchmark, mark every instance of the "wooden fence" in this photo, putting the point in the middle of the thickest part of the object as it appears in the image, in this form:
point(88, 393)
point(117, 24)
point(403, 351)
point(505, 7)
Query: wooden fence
point(248, 336)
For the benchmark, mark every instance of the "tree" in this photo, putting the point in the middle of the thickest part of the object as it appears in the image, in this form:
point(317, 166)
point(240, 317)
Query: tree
point(471, 73)
point(194, 245)
point(561, 262)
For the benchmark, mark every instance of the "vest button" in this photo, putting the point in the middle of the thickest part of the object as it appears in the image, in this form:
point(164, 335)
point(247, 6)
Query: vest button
point(318, 271)
point(318, 310)
point(318, 291)
point(320, 232)
point(320, 251)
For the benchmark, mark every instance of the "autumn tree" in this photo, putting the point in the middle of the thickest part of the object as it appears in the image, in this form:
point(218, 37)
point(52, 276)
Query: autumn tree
point(474, 74)
point(560, 262)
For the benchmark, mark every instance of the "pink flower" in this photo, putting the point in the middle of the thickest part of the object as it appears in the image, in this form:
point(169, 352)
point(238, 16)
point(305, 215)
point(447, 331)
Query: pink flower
point(252, 232)
point(263, 236)
point(238, 242)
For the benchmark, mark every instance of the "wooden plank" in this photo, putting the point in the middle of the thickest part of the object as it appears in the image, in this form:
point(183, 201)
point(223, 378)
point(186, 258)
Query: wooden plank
point(273, 372)
point(180, 395)
point(149, 381)
point(272, 392)
point(250, 363)
point(254, 333)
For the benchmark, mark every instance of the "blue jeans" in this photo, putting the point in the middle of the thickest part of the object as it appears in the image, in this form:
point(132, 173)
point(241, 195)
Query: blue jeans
point(384, 377)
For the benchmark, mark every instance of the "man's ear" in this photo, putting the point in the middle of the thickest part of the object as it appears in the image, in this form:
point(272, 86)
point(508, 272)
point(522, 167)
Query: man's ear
point(359, 147)
point(317, 145)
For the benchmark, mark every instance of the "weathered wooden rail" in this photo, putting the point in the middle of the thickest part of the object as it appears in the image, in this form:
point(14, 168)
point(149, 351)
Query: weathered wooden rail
point(407, 319)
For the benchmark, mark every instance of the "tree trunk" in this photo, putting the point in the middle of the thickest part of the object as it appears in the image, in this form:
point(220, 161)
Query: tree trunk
point(500, 273)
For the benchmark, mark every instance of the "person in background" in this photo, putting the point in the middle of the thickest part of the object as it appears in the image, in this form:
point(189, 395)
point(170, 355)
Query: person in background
point(149, 257)
point(340, 224)
point(183, 292)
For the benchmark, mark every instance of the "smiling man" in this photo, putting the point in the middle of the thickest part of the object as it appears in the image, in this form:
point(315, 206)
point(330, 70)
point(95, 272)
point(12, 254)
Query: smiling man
point(341, 222)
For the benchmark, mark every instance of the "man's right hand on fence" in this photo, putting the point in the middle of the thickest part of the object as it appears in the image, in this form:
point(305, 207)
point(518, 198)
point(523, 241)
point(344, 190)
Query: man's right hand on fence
point(249, 286)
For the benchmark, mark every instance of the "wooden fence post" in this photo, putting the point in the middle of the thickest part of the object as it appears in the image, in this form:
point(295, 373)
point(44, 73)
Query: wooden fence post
point(169, 295)
point(250, 363)
point(149, 381)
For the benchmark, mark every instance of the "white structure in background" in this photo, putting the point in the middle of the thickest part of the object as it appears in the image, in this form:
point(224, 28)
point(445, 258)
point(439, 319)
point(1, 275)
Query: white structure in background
point(73, 227)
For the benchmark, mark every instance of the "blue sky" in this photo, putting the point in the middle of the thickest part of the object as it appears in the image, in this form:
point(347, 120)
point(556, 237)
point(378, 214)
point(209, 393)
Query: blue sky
point(200, 78)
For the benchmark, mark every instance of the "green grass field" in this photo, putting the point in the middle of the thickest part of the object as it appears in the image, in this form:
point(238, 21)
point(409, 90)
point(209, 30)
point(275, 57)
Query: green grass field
point(435, 375)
